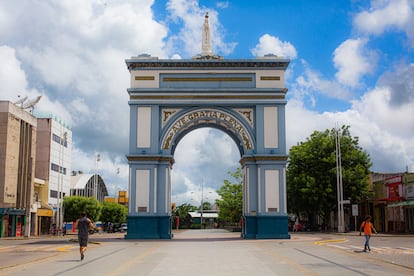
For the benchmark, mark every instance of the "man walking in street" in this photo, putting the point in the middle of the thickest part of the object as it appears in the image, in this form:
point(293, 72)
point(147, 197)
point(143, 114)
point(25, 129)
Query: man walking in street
point(368, 228)
point(84, 224)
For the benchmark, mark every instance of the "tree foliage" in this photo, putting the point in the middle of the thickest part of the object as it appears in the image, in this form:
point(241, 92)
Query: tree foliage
point(182, 211)
point(74, 205)
point(231, 198)
point(312, 173)
point(113, 212)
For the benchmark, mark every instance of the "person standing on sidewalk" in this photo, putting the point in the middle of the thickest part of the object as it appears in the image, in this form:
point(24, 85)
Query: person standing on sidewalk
point(368, 227)
point(83, 224)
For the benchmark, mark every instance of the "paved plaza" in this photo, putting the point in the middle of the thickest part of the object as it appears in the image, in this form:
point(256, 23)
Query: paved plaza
point(209, 252)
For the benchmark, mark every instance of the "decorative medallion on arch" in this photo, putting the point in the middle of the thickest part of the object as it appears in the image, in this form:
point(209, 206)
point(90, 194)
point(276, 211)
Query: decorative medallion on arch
point(167, 114)
point(247, 113)
point(214, 117)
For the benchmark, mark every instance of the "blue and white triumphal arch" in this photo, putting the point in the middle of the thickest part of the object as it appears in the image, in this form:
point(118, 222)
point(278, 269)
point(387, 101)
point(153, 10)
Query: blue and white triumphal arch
point(244, 98)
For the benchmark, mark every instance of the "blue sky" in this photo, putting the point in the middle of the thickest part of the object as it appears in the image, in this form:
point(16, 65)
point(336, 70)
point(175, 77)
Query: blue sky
point(351, 63)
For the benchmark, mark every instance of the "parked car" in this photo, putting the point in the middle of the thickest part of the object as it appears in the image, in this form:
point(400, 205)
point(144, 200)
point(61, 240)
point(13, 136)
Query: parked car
point(124, 227)
point(98, 226)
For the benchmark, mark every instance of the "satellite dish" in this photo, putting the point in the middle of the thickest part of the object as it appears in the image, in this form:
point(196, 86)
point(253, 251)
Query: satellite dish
point(31, 103)
point(21, 101)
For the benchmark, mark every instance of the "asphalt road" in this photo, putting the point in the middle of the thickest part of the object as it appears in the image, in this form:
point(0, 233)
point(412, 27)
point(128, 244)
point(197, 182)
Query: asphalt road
point(209, 252)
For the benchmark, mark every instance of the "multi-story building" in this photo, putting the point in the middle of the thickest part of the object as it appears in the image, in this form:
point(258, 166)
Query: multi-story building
point(17, 167)
point(393, 202)
point(408, 205)
point(42, 208)
point(53, 161)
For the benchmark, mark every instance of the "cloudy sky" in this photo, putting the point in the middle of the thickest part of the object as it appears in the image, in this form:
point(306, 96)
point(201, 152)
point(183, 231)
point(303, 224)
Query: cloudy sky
point(352, 62)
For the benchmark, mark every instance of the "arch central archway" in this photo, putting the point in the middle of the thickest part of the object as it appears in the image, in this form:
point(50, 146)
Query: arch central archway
point(243, 98)
point(229, 121)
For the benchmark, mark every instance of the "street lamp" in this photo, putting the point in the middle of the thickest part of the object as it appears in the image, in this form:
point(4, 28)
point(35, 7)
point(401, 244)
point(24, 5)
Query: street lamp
point(63, 143)
point(202, 195)
point(116, 185)
point(95, 186)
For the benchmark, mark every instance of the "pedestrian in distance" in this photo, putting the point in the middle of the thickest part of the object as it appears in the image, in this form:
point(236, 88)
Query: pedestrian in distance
point(83, 224)
point(368, 228)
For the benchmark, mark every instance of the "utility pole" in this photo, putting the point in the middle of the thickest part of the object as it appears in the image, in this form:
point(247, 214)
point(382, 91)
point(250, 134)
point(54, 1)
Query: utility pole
point(339, 181)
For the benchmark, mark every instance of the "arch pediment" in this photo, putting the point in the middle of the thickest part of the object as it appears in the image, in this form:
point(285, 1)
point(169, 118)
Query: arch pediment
point(182, 122)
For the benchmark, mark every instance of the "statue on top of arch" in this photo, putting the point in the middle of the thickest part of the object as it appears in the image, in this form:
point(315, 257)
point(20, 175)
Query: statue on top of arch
point(206, 48)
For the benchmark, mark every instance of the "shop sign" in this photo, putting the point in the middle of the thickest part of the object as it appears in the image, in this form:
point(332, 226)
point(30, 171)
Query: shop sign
point(44, 213)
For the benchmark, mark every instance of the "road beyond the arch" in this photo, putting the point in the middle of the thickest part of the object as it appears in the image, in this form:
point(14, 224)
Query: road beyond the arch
point(212, 252)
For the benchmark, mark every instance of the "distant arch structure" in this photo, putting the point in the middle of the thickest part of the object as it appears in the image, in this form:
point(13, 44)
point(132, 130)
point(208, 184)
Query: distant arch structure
point(88, 185)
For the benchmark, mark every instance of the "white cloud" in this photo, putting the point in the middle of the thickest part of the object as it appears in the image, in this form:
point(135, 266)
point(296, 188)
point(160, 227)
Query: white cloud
point(387, 16)
point(353, 61)
point(273, 45)
point(190, 16)
point(311, 83)
point(12, 77)
point(383, 16)
point(377, 107)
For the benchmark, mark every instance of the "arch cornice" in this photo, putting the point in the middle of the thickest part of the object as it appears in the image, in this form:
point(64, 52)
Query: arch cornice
point(181, 122)
point(263, 158)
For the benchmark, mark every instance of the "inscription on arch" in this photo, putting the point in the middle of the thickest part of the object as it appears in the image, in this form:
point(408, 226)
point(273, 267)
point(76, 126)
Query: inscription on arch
point(209, 116)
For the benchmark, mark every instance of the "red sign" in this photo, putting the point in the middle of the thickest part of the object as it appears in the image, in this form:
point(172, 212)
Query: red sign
point(394, 184)
point(19, 229)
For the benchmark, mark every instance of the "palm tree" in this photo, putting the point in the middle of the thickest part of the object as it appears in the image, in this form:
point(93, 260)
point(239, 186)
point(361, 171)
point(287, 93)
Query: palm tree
point(182, 211)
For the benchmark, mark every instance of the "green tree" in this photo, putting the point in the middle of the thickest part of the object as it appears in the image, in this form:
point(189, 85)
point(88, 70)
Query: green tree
point(182, 211)
point(312, 173)
point(206, 205)
point(231, 198)
point(74, 205)
point(113, 212)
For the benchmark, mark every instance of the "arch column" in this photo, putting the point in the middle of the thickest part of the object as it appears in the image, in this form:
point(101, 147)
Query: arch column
point(264, 200)
point(149, 215)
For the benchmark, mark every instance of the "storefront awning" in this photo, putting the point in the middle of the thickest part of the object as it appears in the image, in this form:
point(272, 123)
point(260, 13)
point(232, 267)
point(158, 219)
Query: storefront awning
point(45, 210)
point(13, 211)
point(402, 203)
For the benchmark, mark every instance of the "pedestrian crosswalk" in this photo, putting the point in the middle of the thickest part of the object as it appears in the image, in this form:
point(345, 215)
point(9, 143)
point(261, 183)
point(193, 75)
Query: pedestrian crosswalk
point(374, 249)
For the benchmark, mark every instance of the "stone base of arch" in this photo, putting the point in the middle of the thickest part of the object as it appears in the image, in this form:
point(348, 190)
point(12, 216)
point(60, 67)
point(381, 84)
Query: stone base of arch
point(265, 227)
point(149, 227)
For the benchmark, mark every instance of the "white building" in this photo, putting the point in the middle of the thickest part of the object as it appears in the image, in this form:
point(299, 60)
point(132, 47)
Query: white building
point(54, 158)
point(88, 185)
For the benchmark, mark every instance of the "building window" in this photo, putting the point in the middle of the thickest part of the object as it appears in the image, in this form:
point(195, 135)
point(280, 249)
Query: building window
point(59, 140)
point(57, 168)
point(53, 193)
